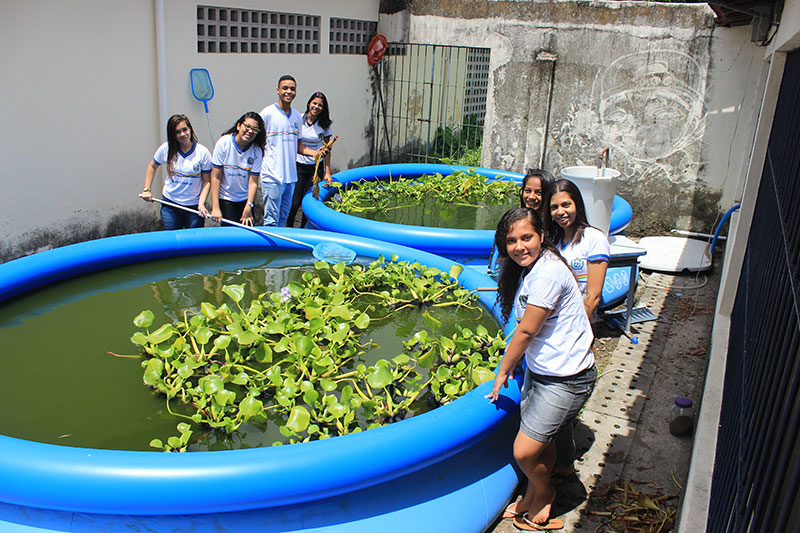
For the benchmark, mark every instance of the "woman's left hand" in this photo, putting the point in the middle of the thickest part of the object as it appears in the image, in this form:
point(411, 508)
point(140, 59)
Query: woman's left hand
point(500, 381)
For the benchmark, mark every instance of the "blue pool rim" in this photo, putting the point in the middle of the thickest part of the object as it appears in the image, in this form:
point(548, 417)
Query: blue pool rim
point(455, 243)
point(111, 482)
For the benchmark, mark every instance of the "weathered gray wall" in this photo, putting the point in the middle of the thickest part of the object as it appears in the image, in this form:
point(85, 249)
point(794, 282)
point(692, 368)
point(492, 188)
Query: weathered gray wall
point(629, 75)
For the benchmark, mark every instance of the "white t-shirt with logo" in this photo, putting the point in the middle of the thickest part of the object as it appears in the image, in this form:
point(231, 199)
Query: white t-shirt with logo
point(183, 184)
point(313, 137)
point(283, 132)
point(563, 345)
point(237, 165)
point(593, 246)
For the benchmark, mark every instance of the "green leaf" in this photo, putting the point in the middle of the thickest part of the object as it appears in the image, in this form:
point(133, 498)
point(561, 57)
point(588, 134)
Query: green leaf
point(250, 406)
point(235, 292)
point(455, 271)
point(224, 397)
point(379, 377)
point(295, 289)
point(156, 443)
point(341, 311)
point(202, 335)
point(299, 418)
point(481, 375)
point(426, 360)
point(240, 379)
point(185, 371)
point(247, 337)
point(312, 312)
point(327, 385)
point(430, 321)
point(310, 396)
point(362, 322)
point(222, 342)
point(174, 442)
point(339, 268)
point(138, 338)
point(208, 310)
point(451, 389)
point(144, 319)
point(274, 328)
point(337, 409)
point(303, 345)
point(401, 359)
point(211, 384)
point(161, 334)
point(263, 353)
point(282, 345)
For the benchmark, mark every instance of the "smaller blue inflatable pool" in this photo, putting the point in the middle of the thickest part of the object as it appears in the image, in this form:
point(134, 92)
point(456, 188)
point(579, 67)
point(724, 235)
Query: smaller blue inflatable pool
point(469, 247)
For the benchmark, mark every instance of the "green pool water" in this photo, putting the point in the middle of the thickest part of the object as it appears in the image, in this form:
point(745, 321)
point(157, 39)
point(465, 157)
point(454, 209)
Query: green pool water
point(432, 213)
point(59, 385)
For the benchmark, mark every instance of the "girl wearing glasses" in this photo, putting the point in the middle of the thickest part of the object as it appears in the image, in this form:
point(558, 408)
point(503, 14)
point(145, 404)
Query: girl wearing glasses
point(236, 165)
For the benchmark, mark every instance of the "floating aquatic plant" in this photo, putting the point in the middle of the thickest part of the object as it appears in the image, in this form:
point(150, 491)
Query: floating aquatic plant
point(293, 357)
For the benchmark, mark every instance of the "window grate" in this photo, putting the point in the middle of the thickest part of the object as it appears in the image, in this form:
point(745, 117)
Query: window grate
point(229, 30)
point(349, 36)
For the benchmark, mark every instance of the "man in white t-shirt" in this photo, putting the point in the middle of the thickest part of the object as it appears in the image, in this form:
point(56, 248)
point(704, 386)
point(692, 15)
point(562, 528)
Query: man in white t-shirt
point(278, 169)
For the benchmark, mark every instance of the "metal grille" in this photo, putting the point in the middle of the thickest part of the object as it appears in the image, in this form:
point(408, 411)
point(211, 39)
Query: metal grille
point(757, 467)
point(432, 103)
point(228, 30)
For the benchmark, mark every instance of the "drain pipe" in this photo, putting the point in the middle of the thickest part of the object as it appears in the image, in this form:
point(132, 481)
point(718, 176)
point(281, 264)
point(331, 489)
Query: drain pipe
point(547, 56)
point(161, 66)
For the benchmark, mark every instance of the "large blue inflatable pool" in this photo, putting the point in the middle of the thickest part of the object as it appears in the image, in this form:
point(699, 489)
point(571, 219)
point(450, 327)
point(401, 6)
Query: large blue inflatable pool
point(446, 470)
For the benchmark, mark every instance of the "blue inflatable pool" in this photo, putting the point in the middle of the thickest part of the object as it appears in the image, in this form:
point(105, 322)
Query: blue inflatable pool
point(470, 247)
point(446, 470)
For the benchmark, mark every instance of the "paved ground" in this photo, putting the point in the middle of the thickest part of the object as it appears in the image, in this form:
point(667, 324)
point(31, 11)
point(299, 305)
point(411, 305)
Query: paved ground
point(631, 470)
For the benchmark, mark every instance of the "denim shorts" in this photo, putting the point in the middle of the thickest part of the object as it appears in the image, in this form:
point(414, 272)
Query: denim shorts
point(549, 402)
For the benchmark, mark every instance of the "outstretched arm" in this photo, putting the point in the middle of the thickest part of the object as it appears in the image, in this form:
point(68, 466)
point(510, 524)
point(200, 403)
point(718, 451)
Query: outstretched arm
point(527, 329)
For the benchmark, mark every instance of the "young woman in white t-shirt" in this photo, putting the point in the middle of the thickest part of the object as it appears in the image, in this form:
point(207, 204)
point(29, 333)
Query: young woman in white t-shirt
point(315, 131)
point(188, 174)
point(584, 247)
point(554, 337)
point(236, 165)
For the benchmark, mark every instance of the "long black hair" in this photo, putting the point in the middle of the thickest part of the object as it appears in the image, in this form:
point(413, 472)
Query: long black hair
point(556, 232)
point(324, 118)
point(546, 180)
point(510, 271)
point(172, 137)
point(261, 137)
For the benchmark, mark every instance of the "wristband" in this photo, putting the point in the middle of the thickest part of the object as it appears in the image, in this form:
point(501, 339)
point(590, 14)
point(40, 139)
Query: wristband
point(251, 204)
point(146, 189)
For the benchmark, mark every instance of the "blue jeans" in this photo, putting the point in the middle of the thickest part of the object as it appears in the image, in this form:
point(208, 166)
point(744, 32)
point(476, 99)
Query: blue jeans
point(549, 404)
point(174, 218)
point(277, 202)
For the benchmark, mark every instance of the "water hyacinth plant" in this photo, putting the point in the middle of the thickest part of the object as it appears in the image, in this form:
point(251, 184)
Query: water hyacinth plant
point(293, 357)
point(461, 188)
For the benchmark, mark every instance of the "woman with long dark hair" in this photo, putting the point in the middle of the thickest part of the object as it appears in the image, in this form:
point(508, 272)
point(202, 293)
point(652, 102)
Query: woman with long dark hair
point(584, 247)
point(316, 131)
point(188, 174)
point(555, 338)
point(536, 186)
point(237, 165)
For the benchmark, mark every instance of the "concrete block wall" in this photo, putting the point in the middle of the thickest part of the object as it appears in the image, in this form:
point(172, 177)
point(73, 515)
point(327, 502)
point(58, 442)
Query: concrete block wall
point(675, 98)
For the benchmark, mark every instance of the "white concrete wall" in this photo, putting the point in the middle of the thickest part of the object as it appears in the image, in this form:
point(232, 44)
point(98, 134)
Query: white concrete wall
point(78, 115)
point(737, 74)
point(80, 106)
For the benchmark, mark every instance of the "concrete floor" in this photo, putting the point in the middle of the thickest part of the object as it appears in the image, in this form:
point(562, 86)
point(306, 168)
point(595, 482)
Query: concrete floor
point(623, 432)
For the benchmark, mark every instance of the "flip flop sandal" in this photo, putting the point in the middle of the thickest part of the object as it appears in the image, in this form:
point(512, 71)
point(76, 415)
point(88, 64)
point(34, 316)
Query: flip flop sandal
point(523, 523)
point(508, 513)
